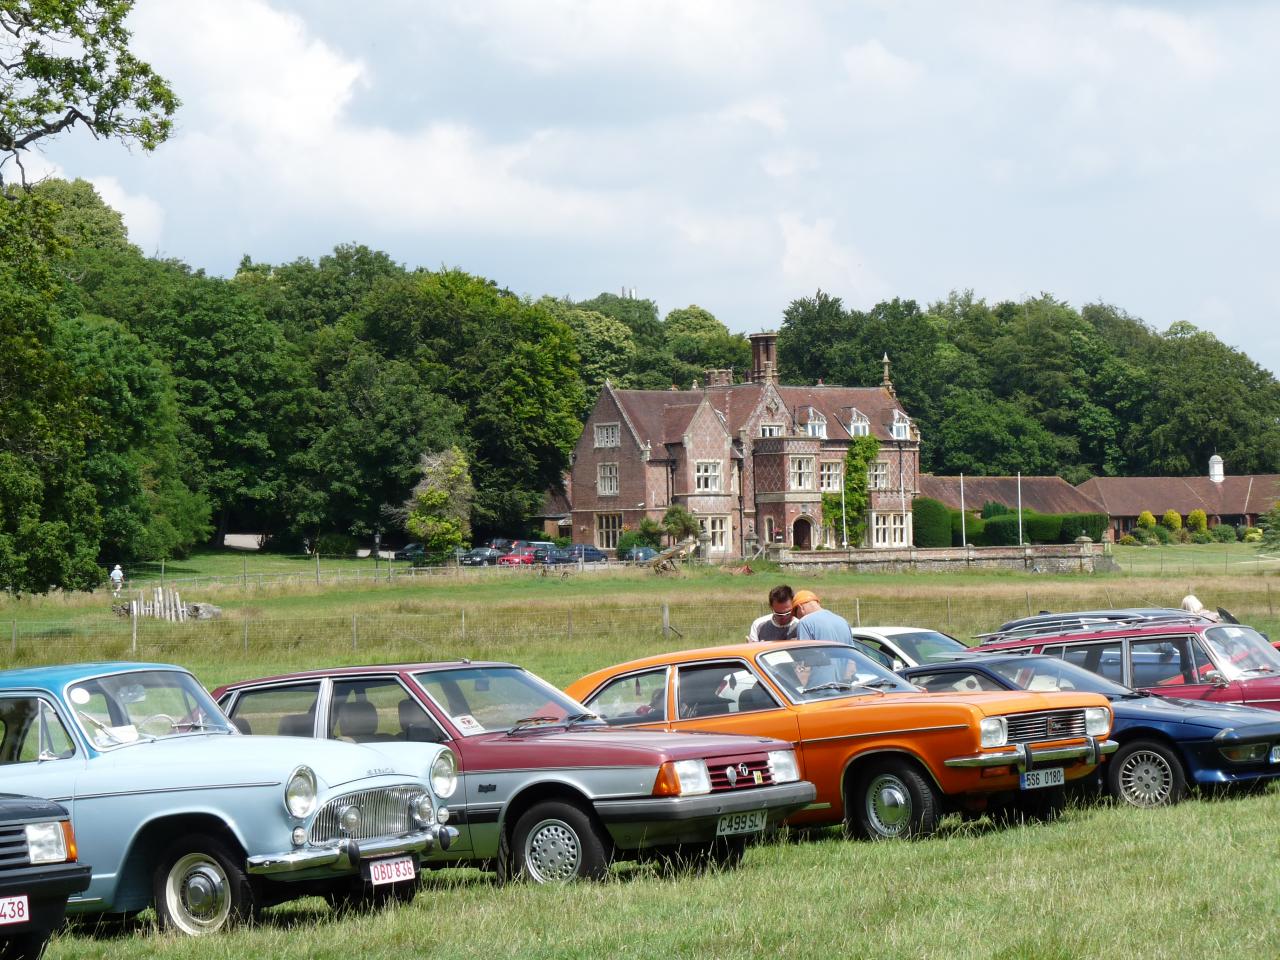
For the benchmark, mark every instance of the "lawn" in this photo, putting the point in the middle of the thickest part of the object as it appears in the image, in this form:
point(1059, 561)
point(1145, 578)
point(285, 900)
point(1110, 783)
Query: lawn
point(1197, 880)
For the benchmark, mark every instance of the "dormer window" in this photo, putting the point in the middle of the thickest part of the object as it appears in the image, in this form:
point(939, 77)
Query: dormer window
point(859, 425)
point(901, 426)
point(608, 435)
point(817, 425)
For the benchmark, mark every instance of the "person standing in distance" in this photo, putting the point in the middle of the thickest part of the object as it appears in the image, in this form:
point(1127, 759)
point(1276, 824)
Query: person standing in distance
point(816, 623)
point(117, 580)
point(779, 625)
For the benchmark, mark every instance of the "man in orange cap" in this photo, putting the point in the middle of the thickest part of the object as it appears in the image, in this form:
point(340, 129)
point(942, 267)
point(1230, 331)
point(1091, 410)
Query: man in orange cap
point(816, 623)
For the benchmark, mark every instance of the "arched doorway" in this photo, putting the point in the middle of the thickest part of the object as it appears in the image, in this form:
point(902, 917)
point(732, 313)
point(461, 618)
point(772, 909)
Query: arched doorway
point(802, 534)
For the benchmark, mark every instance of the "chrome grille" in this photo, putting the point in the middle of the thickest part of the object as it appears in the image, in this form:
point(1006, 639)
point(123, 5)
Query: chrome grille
point(744, 770)
point(13, 848)
point(1045, 725)
point(384, 812)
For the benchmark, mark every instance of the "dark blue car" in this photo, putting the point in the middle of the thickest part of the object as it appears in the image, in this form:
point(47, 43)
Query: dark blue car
point(1165, 744)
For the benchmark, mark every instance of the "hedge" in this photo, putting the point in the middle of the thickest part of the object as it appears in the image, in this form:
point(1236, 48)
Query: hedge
point(1041, 527)
point(1000, 531)
point(973, 527)
point(931, 521)
point(1092, 525)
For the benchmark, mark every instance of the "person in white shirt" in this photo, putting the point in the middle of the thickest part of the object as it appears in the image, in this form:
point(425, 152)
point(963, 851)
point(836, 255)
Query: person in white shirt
point(778, 625)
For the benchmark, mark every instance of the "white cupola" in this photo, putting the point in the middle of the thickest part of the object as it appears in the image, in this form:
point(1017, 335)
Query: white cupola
point(1215, 468)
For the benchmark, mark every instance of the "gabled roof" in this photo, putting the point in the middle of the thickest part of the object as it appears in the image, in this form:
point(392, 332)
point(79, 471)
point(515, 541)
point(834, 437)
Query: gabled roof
point(874, 403)
point(1040, 494)
point(646, 411)
point(1129, 496)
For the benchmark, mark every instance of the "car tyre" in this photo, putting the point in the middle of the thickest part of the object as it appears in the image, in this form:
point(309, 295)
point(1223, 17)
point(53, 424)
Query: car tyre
point(1146, 773)
point(891, 800)
point(556, 842)
point(199, 887)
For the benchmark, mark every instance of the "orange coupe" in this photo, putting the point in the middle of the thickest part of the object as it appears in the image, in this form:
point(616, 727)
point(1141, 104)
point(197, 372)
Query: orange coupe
point(886, 758)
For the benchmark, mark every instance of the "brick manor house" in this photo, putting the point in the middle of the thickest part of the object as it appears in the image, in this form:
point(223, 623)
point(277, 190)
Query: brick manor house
point(750, 460)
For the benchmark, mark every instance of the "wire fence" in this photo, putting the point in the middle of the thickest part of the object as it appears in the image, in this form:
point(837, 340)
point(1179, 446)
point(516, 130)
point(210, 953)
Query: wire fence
point(581, 634)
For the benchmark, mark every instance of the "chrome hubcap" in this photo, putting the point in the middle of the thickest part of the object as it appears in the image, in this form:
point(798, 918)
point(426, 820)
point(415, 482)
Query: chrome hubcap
point(196, 894)
point(1145, 779)
point(552, 852)
point(888, 805)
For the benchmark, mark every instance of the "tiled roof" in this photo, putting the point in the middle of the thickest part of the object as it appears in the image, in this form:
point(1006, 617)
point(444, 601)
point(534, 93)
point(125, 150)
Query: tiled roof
point(555, 504)
point(875, 403)
point(647, 410)
point(1129, 496)
point(1041, 494)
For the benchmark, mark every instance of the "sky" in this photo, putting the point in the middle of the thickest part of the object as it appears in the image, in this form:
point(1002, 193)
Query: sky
point(730, 153)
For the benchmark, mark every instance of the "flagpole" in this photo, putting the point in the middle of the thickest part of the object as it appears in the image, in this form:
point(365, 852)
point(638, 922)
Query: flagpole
point(1020, 540)
point(964, 534)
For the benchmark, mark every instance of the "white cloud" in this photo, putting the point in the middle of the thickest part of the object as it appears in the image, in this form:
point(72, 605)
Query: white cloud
point(813, 258)
point(788, 163)
point(143, 216)
point(871, 65)
point(768, 112)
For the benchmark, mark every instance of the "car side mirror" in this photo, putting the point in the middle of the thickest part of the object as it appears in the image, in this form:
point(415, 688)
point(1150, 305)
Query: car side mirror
point(1215, 677)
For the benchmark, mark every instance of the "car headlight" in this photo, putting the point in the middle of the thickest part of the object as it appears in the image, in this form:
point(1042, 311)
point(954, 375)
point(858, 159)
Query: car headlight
point(421, 807)
point(1097, 721)
point(46, 843)
point(300, 793)
point(995, 731)
point(693, 777)
point(783, 767)
point(1245, 752)
point(444, 774)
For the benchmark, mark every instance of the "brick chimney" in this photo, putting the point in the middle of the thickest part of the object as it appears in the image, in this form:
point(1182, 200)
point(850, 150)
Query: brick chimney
point(764, 357)
point(719, 378)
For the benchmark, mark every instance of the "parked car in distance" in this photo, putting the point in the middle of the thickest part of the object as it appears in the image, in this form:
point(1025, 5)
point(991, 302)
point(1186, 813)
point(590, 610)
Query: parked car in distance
point(38, 865)
point(524, 556)
point(410, 551)
point(637, 554)
point(480, 557)
point(547, 790)
point(1193, 658)
point(588, 554)
point(887, 759)
point(173, 808)
point(558, 557)
point(1044, 623)
point(1166, 744)
point(898, 647)
point(503, 545)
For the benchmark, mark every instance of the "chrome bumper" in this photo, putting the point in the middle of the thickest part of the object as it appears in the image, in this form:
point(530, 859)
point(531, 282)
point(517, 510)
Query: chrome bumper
point(1025, 757)
point(345, 855)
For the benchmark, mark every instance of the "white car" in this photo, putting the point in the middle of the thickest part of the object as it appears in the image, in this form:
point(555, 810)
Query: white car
point(900, 647)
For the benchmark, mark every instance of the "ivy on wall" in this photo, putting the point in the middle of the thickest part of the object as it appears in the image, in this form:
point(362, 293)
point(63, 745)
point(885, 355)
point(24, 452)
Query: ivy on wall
point(857, 497)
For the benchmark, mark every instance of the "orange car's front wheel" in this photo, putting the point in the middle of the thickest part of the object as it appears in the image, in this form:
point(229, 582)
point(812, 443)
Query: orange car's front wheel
point(890, 799)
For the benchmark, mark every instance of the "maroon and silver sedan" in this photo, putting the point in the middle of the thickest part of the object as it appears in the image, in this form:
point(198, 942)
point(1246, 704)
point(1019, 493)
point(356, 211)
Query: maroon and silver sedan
point(545, 789)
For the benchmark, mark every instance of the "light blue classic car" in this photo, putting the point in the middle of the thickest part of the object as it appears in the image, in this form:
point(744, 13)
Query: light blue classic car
point(174, 808)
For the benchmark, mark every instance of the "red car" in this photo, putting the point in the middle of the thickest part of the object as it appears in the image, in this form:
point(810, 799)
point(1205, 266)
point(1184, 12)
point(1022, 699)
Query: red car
point(1193, 660)
point(545, 788)
point(525, 555)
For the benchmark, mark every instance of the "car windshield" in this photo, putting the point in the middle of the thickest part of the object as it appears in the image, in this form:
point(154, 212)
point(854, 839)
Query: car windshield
point(1050, 673)
point(825, 672)
point(484, 699)
point(1241, 652)
point(125, 708)
point(922, 645)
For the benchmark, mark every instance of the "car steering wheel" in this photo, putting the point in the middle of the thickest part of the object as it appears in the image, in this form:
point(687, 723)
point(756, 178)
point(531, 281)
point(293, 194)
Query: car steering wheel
point(170, 723)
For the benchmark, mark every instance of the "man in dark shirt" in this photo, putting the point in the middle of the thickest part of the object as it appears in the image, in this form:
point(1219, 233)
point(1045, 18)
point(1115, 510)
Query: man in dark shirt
point(779, 625)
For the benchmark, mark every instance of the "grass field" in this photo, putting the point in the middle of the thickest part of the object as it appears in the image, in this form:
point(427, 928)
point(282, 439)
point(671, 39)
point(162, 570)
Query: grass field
point(1198, 880)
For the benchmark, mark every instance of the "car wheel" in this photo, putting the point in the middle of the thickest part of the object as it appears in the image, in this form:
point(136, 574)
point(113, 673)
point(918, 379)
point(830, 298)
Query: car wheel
point(200, 888)
point(1146, 773)
point(891, 799)
point(24, 946)
point(555, 842)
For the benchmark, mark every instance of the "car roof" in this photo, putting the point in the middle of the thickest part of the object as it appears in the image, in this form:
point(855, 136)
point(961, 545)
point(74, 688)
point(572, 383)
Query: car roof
point(58, 675)
point(896, 631)
point(979, 659)
point(1105, 631)
point(370, 669)
point(715, 653)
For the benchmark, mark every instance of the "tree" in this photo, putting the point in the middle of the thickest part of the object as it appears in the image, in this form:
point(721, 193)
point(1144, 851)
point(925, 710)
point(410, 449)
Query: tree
point(1172, 520)
point(1269, 523)
point(65, 63)
point(438, 511)
point(1197, 521)
point(695, 337)
point(680, 523)
point(1146, 520)
point(605, 346)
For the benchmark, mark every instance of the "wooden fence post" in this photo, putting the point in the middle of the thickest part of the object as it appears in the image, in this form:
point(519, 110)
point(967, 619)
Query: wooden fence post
point(464, 626)
point(246, 634)
point(13, 643)
point(355, 636)
point(857, 611)
point(133, 624)
point(570, 619)
point(666, 621)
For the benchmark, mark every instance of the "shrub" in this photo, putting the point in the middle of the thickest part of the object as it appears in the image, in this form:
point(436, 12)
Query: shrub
point(973, 527)
point(1161, 534)
point(1223, 533)
point(336, 545)
point(1252, 535)
point(680, 523)
point(931, 522)
point(1000, 531)
point(1041, 527)
point(563, 542)
point(1201, 536)
point(651, 532)
point(1197, 522)
point(1144, 535)
point(1146, 520)
point(1092, 525)
point(630, 538)
point(1172, 520)
point(992, 509)
point(1128, 540)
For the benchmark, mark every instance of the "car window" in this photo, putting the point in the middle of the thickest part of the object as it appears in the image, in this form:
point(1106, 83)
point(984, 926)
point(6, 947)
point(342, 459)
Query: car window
point(284, 711)
point(875, 650)
point(955, 681)
point(638, 698)
point(921, 645)
point(1164, 660)
point(713, 689)
point(377, 710)
point(1105, 659)
point(481, 699)
point(30, 730)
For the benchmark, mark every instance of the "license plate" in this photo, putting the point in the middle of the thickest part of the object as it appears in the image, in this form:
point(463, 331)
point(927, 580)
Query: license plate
point(1038, 779)
point(1275, 754)
point(395, 870)
point(14, 909)
point(751, 822)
